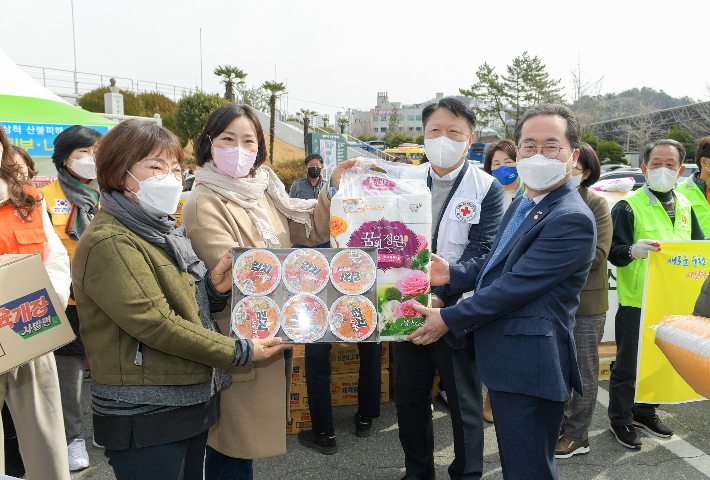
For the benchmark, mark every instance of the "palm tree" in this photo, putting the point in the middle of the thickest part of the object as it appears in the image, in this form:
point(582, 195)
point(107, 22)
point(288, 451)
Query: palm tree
point(275, 89)
point(231, 76)
point(342, 123)
point(306, 113)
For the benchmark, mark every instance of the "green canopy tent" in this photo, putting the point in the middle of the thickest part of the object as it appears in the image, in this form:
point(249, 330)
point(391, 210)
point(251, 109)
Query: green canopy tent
point(32, 116)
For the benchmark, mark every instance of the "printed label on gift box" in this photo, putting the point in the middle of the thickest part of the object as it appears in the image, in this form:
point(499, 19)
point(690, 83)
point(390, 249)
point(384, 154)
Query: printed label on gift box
point(353, 205)
point(394, 240)
point(378, 184)
point(29, 315)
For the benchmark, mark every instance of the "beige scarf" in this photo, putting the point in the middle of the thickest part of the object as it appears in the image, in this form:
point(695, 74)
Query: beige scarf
point(246, 193)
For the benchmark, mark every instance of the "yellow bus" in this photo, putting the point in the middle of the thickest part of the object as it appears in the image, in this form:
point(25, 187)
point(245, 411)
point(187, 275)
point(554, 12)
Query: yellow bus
point(412, 151)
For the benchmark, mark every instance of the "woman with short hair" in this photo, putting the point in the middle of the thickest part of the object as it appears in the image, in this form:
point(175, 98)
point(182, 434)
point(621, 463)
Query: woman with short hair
point(591, 313)
point(500, 161)
point(72, 201)
point(145, 298)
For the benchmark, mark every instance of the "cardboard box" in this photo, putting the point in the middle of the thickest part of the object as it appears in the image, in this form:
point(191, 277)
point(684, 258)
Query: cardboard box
point(300, 420)
point(343, 390)
point(342, 360)
point(32, 320)
point(605, 365)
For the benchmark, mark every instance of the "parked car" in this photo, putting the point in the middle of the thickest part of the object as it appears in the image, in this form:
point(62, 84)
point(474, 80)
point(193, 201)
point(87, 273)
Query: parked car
point(612, 166)
point(635, 173)
point(690, 168)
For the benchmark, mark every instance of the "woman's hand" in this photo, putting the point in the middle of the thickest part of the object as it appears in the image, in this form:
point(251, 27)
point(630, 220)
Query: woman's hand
point(439, 271)
point(222, 274)
point(338, 172)
point(266, 347)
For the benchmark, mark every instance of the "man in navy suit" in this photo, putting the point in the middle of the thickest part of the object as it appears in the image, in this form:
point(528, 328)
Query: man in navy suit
point(519, 322)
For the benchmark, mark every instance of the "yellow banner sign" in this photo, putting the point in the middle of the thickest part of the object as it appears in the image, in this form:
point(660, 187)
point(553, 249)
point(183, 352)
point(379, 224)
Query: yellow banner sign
point(673, 281)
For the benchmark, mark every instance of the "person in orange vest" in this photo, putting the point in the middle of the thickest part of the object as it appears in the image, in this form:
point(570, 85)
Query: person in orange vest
point(31, 391)
point(72, 201)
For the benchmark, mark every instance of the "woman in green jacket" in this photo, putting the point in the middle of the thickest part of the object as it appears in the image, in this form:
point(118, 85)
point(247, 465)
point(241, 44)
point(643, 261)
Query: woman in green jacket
point(157, 361)
point(591, 314)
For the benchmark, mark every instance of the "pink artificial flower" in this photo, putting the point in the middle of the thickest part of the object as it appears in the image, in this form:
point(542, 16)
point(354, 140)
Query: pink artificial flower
point(414, 283)
point(406, 309)
point(422, 243)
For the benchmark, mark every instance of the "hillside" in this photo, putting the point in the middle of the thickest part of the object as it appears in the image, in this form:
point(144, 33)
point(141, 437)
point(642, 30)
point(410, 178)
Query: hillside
point(627, 103)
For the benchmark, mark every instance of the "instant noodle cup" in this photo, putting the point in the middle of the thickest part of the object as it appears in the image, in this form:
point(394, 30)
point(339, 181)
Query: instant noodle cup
point(256, 272)
point(353, 272)
point(304, 318)
point(255, 317)
point(352, 318)
point(305, 271)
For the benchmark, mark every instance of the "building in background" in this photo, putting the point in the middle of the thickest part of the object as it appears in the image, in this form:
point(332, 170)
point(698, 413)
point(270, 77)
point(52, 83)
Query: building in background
point(376, 121)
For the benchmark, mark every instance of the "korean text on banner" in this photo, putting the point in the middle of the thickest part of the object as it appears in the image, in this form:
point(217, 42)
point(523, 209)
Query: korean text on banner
point(673, 280)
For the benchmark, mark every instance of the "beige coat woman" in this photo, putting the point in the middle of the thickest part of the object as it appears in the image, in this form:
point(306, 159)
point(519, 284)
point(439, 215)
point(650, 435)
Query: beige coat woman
point(252, 421)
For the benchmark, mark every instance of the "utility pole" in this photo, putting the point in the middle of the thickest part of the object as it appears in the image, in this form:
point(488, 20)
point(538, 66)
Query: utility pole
point(76, 85)
point(202, 83)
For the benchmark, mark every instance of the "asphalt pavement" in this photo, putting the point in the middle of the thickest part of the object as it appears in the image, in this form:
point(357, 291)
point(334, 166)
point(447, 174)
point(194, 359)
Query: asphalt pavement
point(684, 456)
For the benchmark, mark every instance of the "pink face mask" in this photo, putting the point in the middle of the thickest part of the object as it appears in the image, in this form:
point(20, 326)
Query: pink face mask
point(235, 162)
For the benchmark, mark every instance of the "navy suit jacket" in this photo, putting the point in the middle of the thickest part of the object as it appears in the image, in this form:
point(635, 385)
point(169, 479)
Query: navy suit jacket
point(520, 322)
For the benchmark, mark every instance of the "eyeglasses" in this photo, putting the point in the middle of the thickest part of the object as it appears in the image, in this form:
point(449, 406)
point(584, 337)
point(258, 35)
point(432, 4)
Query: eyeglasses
point(161, 169)
point(550, 150)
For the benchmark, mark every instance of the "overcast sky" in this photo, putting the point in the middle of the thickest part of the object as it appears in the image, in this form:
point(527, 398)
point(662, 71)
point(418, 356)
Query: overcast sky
point(337, 54)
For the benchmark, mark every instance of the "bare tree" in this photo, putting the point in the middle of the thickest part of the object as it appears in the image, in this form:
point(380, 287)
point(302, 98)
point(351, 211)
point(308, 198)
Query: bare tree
point(586, 96)
point(362, 127)
point(642, 129)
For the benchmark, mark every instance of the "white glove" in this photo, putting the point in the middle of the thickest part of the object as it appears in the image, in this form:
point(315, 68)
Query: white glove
point(641, 248)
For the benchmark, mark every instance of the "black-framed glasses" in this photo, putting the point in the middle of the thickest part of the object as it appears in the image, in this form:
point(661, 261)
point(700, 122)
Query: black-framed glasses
point(161, 169)
point(550, 149)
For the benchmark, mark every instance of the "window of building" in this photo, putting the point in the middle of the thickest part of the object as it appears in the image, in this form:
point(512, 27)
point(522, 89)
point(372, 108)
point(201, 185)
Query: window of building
point(383, 129)
point(419, 129)
point(383, 118)
point(410, 117)
point(374, 119)
point(419, 117)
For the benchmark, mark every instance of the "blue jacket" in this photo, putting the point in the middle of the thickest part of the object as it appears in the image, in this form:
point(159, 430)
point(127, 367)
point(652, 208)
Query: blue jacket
point(520, 322)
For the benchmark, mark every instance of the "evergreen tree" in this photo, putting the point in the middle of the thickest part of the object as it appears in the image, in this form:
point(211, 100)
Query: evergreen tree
point(543, 89)
point(517, 86)
point(491, 97)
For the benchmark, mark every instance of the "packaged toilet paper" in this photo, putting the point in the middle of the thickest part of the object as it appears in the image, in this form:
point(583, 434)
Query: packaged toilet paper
point(390, 209)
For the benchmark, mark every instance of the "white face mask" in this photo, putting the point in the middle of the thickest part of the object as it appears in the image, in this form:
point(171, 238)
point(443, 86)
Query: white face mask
point(662, 179)
point(576, 180)
point(159, 197)
point(540, 173)
point(444, 152)
point(85, 167)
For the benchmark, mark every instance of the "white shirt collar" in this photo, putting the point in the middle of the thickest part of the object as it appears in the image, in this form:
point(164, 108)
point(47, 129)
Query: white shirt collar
point(537, 199)
point(449, 176)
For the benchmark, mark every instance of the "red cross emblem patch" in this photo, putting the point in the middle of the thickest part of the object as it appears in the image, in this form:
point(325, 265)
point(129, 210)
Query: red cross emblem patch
point(465, 211)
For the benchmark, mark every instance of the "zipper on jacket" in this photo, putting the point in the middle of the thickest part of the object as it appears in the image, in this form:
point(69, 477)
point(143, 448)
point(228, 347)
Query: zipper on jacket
point(139, 355)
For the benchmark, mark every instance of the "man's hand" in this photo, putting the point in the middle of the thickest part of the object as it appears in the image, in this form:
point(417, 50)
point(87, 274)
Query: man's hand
point(340, 169)
point(433, 329)
point(222, 274)
point(641, 248)
point(266, 347)
point(439, 271)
